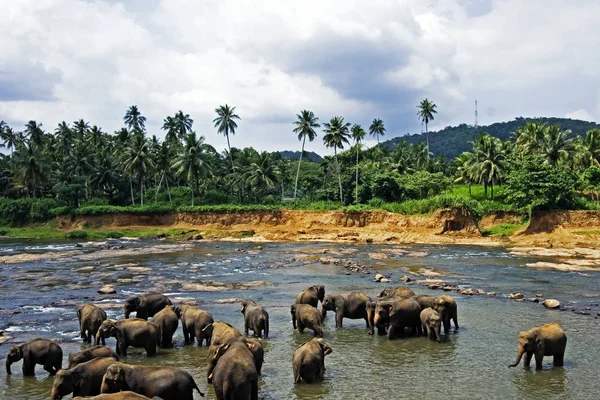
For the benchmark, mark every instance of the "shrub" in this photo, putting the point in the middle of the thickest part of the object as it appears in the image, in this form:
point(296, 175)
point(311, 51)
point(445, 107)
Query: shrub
point(114, 234)
point(76, 235)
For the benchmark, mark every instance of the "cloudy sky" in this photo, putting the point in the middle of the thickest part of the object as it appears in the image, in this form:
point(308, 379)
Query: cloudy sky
point(91, 59)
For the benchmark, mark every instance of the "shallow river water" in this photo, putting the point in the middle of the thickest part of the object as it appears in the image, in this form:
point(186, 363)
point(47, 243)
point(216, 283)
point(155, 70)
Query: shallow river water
point(469, 364)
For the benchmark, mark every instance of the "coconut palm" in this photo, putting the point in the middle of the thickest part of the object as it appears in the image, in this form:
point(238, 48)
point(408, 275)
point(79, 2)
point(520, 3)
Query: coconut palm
point(170, 126)
point(588, 149)
point(65, 138)
point(34, 133)
point(136, 160)
point(81, 128)
point(183, 124)
point(555, 146)
point(377, 128)
point(134, 119)
point(528, 138)
point(491, 160)
point(262, 173)
point(9, 137)
point(358, 134)
point(466, 168)
point(31, 167)
point(305, 128)
point(336, 135)
point(426, 110)
point(225, 124)
point(194, 162)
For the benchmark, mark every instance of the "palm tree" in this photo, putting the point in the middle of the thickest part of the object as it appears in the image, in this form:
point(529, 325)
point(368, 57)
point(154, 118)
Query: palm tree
point(491, 160)
point(170, 126)
point(134, 119)
point(358, 134)
point(425, 113)
point(81, 128)
point(588, 149)
point(555, 146)
point(183, 124)
point(262, 173)
point(193, 162)
point(65, 138)
point(336, 134)
point(225, 124)
point(528, 138)
point(136, 160)
point(305, 127)
point(9, 137)
point(34, 133)
point(377, 128)
point(31, 167)
point(466, 168)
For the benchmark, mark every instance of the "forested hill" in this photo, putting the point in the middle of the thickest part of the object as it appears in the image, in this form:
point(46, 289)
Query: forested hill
point(294, 155)
point(453, 140)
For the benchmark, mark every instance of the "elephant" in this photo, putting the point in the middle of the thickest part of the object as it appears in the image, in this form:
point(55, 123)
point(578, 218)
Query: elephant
point(425, 301)
point(545, 340)
point(115, 396)
point(307, 316)
point(82, 380)
point(90, 354)
point(193, 322)
point(308, 362)
point(397, 314)
point(311, 295)
point(256, 318)
point(168, 383)
point(131, 332)
point(398, 292)
point(36, 351)
point(167, 322)
point(430, 319)
point(233, 372)
point(146, 305)
point(446, 307)
point(90, 318)
point(370, 307)
point(221, 333)
point(347, 305)
point(253, 344)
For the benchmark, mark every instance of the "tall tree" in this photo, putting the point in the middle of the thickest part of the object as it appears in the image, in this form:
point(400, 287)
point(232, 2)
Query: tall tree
point(31, 167)
point(225, 124)
point(466, 168)
point(262, 173)
point(136, 160)
point(170, 126)
point(491, 160)
point(305, 128)
point(336, 135)
point(183, 123)
point(377, 128)
point(555, 146)
point(588, 149)
point(9, 138)
point(134, 119)
point(193, 162)
point(34, 133)
point(81, 128)
point(358, 134)
point(426, 110)
point(65, 138)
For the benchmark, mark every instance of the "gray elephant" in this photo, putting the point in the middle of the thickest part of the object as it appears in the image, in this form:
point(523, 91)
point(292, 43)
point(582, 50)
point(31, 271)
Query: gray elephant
point(233, 372)
point(446, 307)
point(307, 316)
point(127, 395)
point(396, 315)
point(308, 362)
point(398, 292)
point(221, 333)
point(90, 318)
point(545, 340)
point(36, 351)
point(370, 307)
point(82, 380)
point(256, 318)
point(425, 301)
point(133, 332)
point(167, 322)
point(311, 295)
point(193, 322)
point(430, 319)
point(168, 383)
point(90, 354)
point(347, 305)
point(253, 344)
point(146, 305)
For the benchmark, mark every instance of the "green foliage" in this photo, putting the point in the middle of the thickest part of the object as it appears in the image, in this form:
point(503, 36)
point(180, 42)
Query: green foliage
point(503, 230)
point(225, 208)
point(76, 235)
point(22, 211)
point(100, 210)
point(114, 234)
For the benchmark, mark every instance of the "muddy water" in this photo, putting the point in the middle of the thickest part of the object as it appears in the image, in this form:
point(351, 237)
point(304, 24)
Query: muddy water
point(469, 364)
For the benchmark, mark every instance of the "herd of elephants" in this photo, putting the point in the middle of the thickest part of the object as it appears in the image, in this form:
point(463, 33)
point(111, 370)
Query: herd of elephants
point(235, 360)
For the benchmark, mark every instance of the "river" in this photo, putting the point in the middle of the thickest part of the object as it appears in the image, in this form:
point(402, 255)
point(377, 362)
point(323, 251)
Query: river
point(469, 364)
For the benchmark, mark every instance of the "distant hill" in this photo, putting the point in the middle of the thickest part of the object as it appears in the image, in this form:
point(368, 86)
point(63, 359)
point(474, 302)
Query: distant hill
point(294, 155)
point(453, 140)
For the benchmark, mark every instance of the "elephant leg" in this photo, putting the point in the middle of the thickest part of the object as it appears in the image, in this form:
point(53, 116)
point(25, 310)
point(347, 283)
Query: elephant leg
point(186, 334)
point(122, 349)
point(50, 369)
point(455, 319)
point(300, 326)
point(28, 367)
point(151, 350)
point(246, 328)
point(539, 358)
point(559, 360)
point(446, 325)
point(339, 316)
point(381, 330)
point(82, 333)
point(527, 360)
point(391, 331)
point(367, 322)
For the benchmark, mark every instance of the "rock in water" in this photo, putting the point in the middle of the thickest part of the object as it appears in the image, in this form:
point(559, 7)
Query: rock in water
point(551, 303)
point(107, 289)
point(379, 277)
point(405, 279)
point(516, 296)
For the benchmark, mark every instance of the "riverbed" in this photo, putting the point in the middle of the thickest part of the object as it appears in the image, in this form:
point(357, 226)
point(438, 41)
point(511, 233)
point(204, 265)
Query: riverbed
point(38, 298)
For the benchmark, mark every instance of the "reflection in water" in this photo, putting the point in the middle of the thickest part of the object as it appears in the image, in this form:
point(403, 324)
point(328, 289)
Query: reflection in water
point(470, 363)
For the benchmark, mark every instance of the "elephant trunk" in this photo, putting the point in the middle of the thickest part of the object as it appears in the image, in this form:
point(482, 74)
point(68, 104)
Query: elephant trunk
point(97, 338)
point(8, 364)
point(519, 355)
point(323, 312)
point(127, 312)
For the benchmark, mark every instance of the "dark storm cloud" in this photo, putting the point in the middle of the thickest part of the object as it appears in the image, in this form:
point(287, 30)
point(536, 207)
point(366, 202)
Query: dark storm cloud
point(28, 81)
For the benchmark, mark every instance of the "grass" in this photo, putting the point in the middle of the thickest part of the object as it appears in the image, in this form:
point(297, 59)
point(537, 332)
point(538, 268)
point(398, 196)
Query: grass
point(588, 233)
point(503, 230)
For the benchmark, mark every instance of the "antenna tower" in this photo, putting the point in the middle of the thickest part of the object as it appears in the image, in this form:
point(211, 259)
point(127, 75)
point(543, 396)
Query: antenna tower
point(475, 114)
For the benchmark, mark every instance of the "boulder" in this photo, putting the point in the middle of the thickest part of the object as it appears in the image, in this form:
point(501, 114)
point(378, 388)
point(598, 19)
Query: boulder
point(384, 280)
point(491, 293)
point(480, 291)
point(434, 286)
point(516, 296)
point(534, 299)
point(539, 295)
point(379, 277)
point(107, 289)
point(405, 279)
point(551, 303)
point(467, 292)
point(448, 288)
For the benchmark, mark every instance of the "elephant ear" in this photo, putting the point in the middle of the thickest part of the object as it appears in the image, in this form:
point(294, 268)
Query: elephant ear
point(78, 311)
point(221, 350)
point(142, 302)
point(293, 309)
point(251, 346)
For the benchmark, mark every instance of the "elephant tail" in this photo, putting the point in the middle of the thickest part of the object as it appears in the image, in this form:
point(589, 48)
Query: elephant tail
point(266, 322)
point(198, 389)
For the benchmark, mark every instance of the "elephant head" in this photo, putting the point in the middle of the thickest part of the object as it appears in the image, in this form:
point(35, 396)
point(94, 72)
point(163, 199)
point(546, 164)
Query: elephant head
point(134, 303)
point(245, 304)
point(370, 308)
point(320, 289)
point(64, 383)
point(15, 354)
point(78, 311)
point(440, 305)
point(114, 379)
point(324, 346)
point(328, 303)
point(293, 312)
point(383, 310)
point(107, 329)
point(435, 323)
point(529, 342)
point(385, 292)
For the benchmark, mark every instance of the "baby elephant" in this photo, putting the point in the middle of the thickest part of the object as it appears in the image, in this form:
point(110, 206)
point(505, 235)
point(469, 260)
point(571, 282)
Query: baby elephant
point(168, 383)
point(309, 360)
point(431, 323)
point(167, 322)
point(133, 332)
point(545, 340)
point(347, 305)
point(90, 354)
point(307, 316)
point(36, 351)
point(194, 321)
point(256, 318)
point(83, 380)
point(311, 295)
point(115, 396)
point(90, 318)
